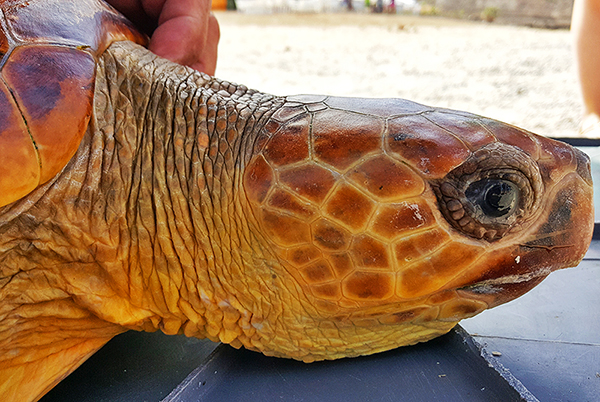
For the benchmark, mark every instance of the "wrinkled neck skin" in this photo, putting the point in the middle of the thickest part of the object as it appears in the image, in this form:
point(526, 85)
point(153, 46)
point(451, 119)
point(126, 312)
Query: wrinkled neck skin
point(145, 228)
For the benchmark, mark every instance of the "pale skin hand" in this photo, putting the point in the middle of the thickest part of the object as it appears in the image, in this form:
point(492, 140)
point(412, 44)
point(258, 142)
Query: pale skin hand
point(585, 27)
point(183, 31)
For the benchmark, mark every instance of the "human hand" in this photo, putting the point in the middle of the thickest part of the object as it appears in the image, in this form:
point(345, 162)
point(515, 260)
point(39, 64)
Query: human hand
point(183, 31)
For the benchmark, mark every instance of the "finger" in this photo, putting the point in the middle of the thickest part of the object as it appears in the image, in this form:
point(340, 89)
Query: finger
point(207, 60)
point(187, 34)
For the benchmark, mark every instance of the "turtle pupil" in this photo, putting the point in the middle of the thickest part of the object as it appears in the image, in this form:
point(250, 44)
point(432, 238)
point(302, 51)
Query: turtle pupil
point(500, 198)
point(495, 197)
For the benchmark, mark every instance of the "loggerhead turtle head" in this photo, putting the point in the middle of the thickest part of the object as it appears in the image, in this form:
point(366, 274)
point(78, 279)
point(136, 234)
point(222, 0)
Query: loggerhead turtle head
point(401, 219)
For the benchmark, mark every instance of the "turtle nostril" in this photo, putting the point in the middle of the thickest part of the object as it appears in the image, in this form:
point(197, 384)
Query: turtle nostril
point(583, 166)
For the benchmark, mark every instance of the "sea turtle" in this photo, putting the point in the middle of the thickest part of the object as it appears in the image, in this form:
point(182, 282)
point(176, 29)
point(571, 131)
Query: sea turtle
point(139, 194)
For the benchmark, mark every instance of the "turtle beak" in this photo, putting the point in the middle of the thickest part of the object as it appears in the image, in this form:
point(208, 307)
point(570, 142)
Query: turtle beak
point(560, 240)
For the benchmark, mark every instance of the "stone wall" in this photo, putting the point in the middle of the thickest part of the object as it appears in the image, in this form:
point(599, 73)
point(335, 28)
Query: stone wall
point(537, 13)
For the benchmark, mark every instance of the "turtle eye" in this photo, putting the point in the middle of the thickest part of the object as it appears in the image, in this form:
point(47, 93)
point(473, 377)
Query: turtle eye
point(494, 192)
point(495, 197)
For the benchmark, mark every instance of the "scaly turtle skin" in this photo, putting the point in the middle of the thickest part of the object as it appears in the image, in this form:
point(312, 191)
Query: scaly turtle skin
point(308, 227)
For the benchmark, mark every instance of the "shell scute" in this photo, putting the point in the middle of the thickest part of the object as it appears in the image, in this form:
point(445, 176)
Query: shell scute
point(16, 149)
point(84, 23)
point(48, 50)
point(56, 102)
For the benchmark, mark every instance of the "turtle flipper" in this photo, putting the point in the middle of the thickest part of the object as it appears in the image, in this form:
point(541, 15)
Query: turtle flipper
point(39, 352)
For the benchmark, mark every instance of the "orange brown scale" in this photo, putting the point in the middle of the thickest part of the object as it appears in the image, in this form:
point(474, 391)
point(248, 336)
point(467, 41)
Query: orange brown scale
point(411, 248)
point(513, 136)
point(364, 286)
point(555, 149)
point(258, 179)
point(369, 252)
point(285, 230)
point(342, 264)
point(404, 316)
point(285, 201)
point(312, 181)
point(350, 207)
point(317, 272)
point(386, 179)
point(4, 46)
point(430, 152)
point(47, 78)
point(457, 309)
point(438, 270)
point(394, 220)
point(287, 113)
point(340, 138)
point(330, 236)
point(471, 131)
point(289, 147)
point(303, 255)
point(328, 291)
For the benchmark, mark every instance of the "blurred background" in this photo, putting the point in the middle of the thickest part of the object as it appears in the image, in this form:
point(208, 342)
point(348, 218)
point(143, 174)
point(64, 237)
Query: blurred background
point(506, 59)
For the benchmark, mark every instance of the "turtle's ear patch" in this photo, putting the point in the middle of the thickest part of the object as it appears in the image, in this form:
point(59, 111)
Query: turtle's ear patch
point(53, 87)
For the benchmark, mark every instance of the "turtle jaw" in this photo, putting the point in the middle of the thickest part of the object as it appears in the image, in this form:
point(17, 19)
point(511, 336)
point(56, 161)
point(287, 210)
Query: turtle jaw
point(560, 240)
point(495, 292)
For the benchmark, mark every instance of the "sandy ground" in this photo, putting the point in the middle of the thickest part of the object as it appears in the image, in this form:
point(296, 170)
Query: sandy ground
point(519, 75)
